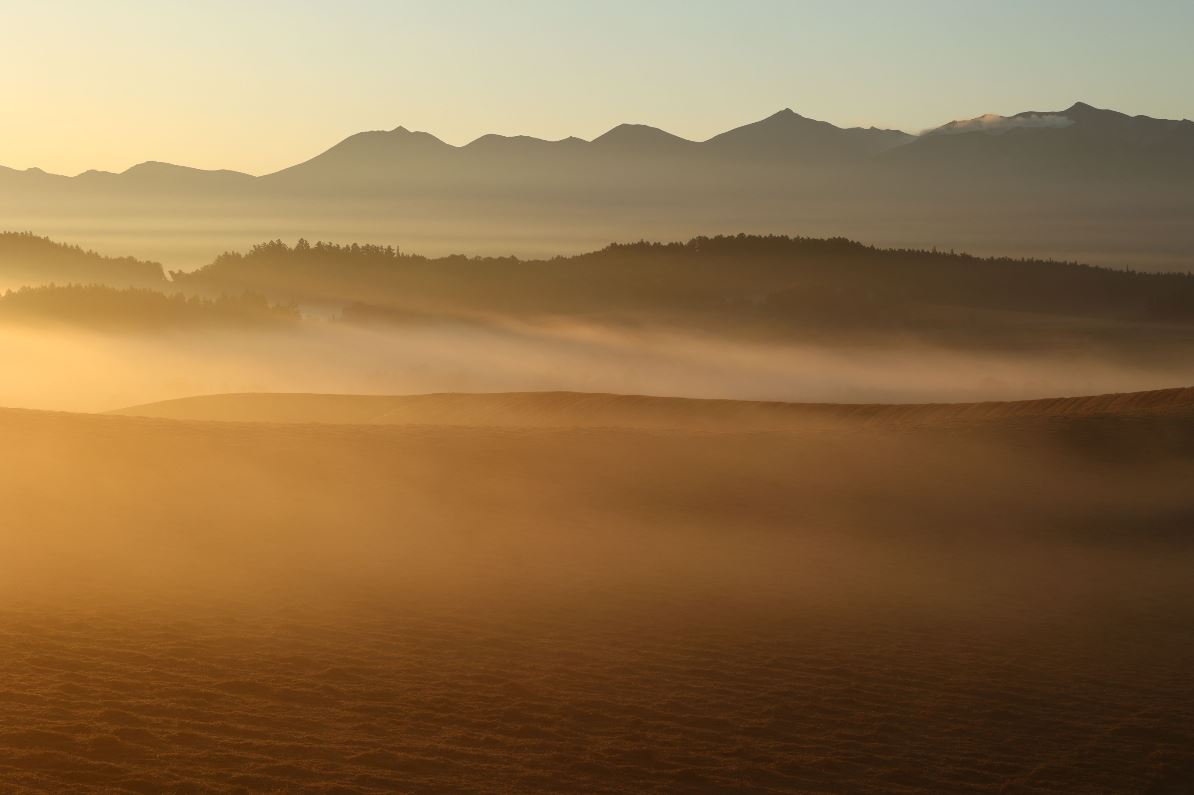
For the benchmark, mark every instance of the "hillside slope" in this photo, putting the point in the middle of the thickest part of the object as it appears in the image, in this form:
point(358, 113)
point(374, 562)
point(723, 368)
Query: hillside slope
point(587, 410)
point(27, 259)
point(277, 607)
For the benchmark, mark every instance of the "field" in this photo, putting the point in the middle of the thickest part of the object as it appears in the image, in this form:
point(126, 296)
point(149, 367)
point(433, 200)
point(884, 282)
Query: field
point(598, 593)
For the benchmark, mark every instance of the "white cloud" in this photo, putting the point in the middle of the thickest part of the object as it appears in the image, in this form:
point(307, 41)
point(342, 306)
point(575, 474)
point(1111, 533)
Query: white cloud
point(994, 124)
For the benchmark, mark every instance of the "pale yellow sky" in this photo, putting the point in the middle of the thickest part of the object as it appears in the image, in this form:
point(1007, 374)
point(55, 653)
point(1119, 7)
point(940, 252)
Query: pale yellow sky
point(257, 86)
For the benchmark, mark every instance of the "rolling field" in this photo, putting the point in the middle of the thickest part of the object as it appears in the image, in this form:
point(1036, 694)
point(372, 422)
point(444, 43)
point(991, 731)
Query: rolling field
point(599, 594)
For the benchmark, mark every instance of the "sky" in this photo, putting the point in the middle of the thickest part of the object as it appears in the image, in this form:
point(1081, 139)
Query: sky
point(257, 85)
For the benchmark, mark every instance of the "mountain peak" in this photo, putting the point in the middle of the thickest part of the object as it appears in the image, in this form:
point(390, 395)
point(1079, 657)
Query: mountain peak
point(789, 117)
point(638, 135)
point(496, 142)
point(789, 134)
point(1082, 111)
point(152, 166)
point(398, 134)
point(156, 168)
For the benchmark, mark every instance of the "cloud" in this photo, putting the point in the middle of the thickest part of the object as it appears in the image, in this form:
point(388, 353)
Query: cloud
point(994, 124)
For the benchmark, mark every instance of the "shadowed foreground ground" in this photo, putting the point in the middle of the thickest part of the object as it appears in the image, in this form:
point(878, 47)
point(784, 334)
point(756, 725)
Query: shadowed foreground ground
point(561, 699)
point(973, 601)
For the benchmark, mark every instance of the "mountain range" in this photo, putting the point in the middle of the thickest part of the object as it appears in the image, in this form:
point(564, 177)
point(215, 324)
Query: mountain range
point(1083, 182)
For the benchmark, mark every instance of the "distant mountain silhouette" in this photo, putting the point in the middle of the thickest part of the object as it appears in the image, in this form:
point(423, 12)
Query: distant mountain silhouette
point(368, 158)
point(155, 173)
point(379, 156)
point(522, 144)
point(1080, 141)
point(640, 139)
point(1081, 183)
point(788, 134)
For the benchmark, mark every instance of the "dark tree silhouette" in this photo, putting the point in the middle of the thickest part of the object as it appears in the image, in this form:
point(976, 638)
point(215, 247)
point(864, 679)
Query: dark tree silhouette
point(101, 307)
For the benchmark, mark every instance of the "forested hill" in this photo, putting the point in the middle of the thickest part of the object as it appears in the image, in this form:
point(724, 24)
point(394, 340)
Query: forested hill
point(26, 259)
point(815, 280)
point(137, 309)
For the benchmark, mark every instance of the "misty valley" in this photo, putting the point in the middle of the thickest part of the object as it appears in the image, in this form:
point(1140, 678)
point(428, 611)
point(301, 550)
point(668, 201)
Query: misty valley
point(771, 318)
point(426, 523)
point(473, 397)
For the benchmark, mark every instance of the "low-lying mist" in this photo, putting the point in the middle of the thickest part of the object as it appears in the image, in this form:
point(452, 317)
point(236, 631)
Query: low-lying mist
point(242, 512)
point(63, 368)
point(620, 598)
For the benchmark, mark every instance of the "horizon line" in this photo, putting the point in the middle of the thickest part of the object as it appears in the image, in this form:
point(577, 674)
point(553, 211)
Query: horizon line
point(473, 141)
